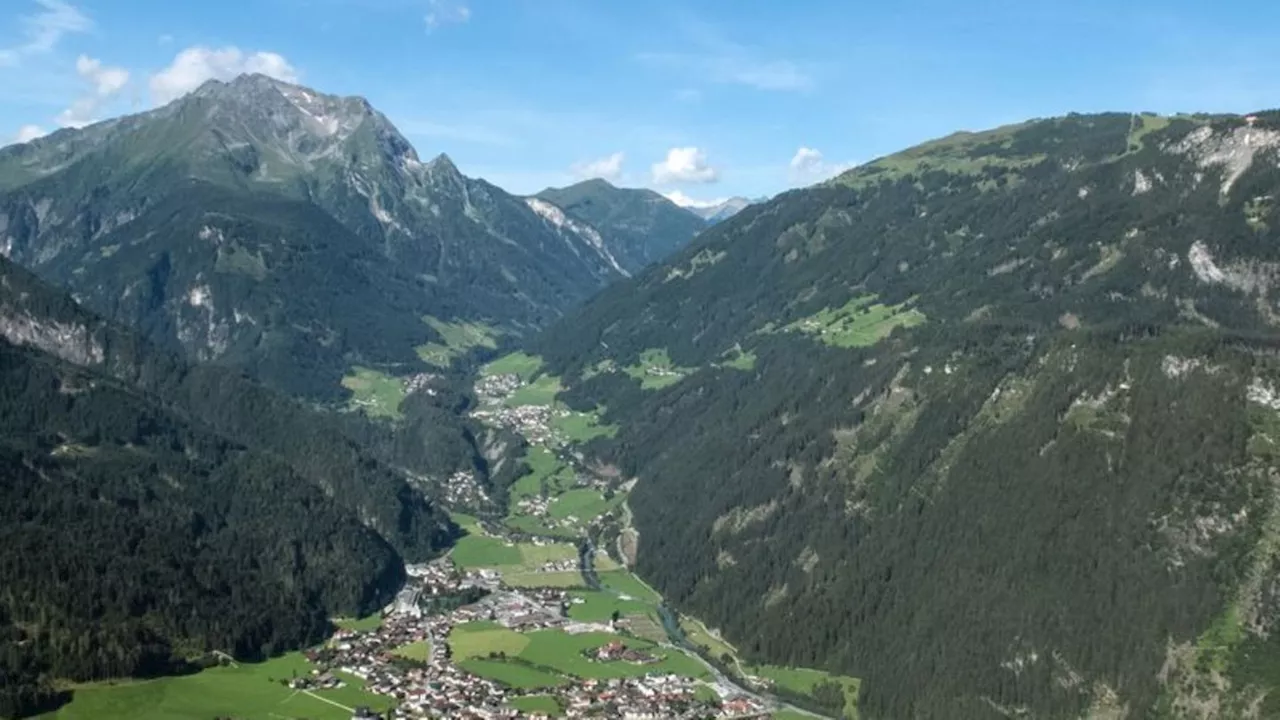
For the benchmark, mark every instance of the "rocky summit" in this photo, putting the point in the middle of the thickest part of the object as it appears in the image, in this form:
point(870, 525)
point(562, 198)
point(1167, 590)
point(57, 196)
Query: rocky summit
point(255, 220)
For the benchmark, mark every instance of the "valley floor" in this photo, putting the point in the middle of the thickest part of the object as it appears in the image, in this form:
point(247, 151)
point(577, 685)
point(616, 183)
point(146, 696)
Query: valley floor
point(558, 631)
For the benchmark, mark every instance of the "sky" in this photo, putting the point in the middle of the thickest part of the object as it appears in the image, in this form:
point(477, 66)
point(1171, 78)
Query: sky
point(701, 100)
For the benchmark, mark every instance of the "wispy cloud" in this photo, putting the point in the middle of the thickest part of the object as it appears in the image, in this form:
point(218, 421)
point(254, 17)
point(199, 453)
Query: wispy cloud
point(27, 133)
point(710, 56)
point(735, 69)
point(446, 12)
point(193, 66)
point(43, 29)
point(104, 83)
point(809, 166)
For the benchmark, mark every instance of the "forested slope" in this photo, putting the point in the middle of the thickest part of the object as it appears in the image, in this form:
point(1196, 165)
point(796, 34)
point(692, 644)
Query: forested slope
point(154, 512)
point(989, 423)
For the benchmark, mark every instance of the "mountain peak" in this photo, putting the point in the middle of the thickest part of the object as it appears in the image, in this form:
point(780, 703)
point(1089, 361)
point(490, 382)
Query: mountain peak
point(442, 164)
point(596, 183)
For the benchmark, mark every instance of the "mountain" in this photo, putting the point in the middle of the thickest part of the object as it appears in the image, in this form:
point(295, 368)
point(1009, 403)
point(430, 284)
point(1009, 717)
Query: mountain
point(267, 226)
point(990, 423)
point(152, 513)
point(721, 211)
point(638, 226)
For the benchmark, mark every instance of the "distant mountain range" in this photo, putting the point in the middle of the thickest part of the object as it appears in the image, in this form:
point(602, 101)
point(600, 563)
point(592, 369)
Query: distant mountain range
point(715, 211)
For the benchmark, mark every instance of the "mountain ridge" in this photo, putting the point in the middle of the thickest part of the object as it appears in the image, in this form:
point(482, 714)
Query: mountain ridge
point(156, 512)
point(639, 225)
point(170, 195)
point(988, 377)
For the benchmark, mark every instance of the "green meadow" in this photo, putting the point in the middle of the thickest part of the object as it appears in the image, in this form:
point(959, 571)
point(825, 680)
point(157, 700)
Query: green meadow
point(376, 393)
point(458, 338)
point(246, 692)
point(656, 371)
point(861, 322)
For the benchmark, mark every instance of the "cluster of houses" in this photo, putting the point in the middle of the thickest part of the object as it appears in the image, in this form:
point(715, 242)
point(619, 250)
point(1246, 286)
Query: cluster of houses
point(427, 684)
point(462, 490)
point(615, 651)
point(496, 387)
point(531, 421)
point(420, 382)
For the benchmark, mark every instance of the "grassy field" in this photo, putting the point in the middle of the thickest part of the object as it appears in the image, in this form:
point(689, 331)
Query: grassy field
point(512, 674)
point(538, 526)
point(247, 692)
point(562, 652)
point(520, 364)
point(648, 627)
point(482, 551)
point(544, 704)
point(655, 370)
point(628, 584)
point(739, 360)
point(547, 475)
point(599, 606)
point(377, 393)
point(420, 650)
point(537, 555)
point(802, 680)
point(955, 153)
point(478, 551)
point(541, 391)
point(583, 503)
point(468, 523)
point(566, 579)
point(861, 322)
point(458, 338)
point(604, 562)
point(580, 427)
point(1142, 126)
point(479, 639)
point(365, 624)
point(699, 635)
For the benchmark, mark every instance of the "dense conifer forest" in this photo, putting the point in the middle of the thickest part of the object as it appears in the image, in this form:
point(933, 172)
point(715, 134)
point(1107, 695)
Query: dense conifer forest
point(154, 512)
point(1049, 491)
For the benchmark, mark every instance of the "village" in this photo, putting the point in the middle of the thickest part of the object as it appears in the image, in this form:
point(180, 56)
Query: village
point(431, 685)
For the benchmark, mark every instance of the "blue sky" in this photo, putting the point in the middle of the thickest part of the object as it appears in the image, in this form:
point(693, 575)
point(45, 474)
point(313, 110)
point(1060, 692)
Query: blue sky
point(709, 99)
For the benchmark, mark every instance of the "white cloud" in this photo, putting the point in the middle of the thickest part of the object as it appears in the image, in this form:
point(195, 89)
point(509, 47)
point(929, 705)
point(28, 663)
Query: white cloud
point(27, 133)
point(606, 168)
point(684, 164)
point(104, 81)
point(196, 65)
point(446, 12)
point(809, 166)
point(42, 30)
point(683, 200)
